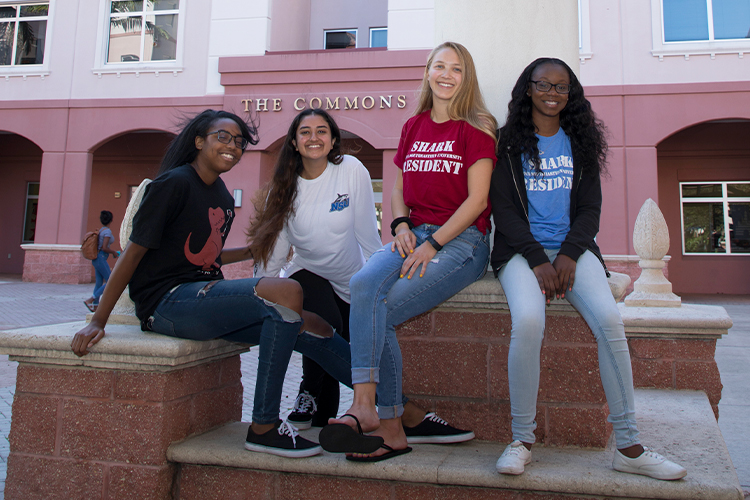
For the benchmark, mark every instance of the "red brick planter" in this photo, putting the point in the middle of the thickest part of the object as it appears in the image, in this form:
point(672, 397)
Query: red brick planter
point(102, 431)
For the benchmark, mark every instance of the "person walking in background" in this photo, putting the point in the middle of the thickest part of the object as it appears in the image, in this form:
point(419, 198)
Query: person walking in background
point(101, 266)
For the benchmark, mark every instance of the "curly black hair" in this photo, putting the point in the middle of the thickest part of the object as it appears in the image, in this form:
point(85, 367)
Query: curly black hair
point(587, 133)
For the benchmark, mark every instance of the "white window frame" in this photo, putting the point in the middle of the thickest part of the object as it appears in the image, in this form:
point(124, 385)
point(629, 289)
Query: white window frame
point(26, 211)
point(373, 30)
point(711, 47)
point(26, 70)
point(378, 198)
point(102, 67)
point(584, 31)
point(342, 30)
point(724, 200)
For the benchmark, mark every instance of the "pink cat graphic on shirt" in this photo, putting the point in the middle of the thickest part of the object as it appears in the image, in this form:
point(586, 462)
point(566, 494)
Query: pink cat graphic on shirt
point(211, 250)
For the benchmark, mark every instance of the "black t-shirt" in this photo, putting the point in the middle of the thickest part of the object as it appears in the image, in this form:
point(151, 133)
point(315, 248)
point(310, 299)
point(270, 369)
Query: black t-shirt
point(184, 223)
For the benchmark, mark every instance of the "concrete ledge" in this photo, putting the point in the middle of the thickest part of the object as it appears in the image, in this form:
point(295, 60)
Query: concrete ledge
point(124, 347)
point(691, 320)
point(679, 424)
point(487, 293)
point(710, 322)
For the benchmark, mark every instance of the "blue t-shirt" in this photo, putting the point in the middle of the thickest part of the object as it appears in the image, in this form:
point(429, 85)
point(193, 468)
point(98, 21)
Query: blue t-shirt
point(549, 191)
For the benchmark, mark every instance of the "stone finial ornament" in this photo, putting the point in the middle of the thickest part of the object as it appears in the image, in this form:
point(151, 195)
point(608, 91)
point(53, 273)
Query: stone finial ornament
point(124, 311)
point(651, 243)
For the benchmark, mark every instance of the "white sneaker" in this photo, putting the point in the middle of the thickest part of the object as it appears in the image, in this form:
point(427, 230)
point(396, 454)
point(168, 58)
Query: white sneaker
point(649, 463)
point(513, 459)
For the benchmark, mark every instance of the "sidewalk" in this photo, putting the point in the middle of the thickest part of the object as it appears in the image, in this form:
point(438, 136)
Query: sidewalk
point(32, 304)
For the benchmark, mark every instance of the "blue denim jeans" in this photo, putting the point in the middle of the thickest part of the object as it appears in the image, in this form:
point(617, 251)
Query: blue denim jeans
point(381, 301)
point(102, 274)
point(231, 310)
point(592, 298)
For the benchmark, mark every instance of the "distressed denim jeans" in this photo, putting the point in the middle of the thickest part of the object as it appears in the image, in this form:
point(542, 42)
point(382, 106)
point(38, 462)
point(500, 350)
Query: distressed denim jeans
point(381, 301)
point(231, 310)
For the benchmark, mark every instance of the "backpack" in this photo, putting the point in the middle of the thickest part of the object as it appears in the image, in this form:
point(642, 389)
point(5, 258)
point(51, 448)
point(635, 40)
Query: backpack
point(90, 245)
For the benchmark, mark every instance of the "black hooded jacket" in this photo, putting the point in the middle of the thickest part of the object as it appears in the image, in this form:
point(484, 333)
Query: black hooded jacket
point(510, 208)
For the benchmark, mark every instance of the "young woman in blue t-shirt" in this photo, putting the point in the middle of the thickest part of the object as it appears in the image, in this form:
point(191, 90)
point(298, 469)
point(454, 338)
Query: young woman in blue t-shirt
point(546, 200)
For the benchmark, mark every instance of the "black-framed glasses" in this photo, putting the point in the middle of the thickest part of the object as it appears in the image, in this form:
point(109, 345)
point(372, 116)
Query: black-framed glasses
point(541, 86)
point(225, 138)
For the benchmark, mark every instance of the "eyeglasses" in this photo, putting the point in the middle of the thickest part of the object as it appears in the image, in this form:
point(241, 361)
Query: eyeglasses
point(225, 138)
point(561, 88)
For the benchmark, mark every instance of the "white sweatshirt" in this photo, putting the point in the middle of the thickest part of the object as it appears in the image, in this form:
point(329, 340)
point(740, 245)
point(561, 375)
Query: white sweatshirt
point(333, 229)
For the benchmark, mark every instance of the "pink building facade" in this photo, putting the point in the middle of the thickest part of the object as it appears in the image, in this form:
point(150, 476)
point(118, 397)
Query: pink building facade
point(85, 125)
point(672, 83)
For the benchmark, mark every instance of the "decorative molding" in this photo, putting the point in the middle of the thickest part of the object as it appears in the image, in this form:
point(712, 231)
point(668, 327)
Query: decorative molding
point(137, 71)
point(8, 74)
point(50, 247)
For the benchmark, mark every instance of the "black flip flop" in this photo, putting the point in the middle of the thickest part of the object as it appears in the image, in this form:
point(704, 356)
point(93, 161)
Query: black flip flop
point(340, 438)
point(385, 456)
point(90, 306)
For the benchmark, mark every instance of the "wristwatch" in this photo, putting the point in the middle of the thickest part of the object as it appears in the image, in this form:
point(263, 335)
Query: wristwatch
point(437, 246)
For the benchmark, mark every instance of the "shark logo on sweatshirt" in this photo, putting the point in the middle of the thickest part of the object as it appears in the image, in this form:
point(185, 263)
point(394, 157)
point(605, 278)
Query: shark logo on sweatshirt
point(340, 203)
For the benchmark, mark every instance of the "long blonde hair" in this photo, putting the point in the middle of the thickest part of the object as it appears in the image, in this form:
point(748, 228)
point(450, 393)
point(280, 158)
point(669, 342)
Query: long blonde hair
point(467, 103)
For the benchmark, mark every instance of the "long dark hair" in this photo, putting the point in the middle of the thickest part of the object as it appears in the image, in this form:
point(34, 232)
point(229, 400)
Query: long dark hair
point(182, 149)
point(587, 133)
point(274, 204)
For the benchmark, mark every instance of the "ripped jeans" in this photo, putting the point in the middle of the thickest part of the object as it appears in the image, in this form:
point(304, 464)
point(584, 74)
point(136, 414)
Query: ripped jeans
point(381, 301)
point(230, 310)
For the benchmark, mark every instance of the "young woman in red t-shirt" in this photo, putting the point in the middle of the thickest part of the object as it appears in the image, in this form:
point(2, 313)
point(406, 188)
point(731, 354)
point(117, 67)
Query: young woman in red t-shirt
point(441, 228)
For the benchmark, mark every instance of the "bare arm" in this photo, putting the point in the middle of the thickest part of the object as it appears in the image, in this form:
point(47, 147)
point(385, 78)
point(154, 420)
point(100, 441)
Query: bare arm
point(479, 175)
point(118, 280)
point(105, 247)
point(405, 240)
point(238, 254)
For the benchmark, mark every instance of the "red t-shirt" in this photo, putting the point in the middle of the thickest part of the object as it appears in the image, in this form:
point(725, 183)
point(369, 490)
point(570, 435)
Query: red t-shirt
point(435, 160)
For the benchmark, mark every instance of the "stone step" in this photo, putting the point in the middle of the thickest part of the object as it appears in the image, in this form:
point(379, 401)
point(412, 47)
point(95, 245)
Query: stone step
point(679, 424)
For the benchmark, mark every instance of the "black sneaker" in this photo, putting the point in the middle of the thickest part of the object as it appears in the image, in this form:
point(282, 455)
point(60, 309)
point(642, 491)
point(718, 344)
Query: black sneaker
point(433, 429)
point(283, 440)
point(303, 411)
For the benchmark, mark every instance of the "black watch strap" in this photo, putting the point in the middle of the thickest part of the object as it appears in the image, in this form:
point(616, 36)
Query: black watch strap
point(399, 220)
point(437, 246)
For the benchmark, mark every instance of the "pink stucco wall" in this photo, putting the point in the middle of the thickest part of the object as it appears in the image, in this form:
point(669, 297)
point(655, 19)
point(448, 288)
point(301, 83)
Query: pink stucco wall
point(639, 118)
point(20, 164)
point(622, 34)
point(93, 148)
point(326, 75)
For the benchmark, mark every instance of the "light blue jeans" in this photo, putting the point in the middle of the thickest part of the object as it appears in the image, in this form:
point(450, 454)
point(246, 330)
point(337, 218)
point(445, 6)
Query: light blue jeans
point(230, 310)
point(102, 274)
point(381, 301)
point(593, 299)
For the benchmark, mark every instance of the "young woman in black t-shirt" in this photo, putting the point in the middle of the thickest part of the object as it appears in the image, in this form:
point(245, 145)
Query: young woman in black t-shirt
point(173, 265)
